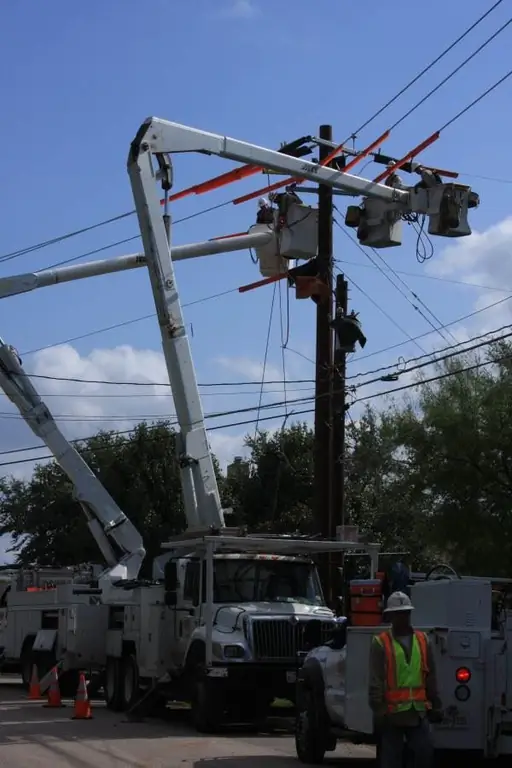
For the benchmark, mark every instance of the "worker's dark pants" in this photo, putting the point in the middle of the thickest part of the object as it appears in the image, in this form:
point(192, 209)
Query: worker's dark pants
point(396, 741)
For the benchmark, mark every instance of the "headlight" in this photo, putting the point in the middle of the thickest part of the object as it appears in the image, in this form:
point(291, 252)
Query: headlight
point(234, 652)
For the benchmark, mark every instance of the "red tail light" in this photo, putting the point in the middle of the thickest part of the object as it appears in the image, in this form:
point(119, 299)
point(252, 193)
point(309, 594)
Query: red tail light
point(463, 675)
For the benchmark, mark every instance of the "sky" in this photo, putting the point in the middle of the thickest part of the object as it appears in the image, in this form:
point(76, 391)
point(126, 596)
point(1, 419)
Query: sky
point(78, 79)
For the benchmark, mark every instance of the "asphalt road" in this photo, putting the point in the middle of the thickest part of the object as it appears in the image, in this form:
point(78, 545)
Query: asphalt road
point(32, 736)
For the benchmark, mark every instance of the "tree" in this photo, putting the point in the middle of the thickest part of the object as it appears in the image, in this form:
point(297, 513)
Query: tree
point(277, 494)
point(457, 440)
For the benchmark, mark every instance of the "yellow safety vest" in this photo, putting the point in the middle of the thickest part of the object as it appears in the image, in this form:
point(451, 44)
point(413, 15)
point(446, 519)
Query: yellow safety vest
point(405, 681)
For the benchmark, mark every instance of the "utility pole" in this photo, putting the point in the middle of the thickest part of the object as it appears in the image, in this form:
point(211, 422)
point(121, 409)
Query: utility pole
point(324, 360)
point(338, 411)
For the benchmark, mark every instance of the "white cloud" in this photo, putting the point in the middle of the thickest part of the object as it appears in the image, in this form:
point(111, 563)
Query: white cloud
point(240, 9)
point(250, 369)
point(82, 409)
point(482, 259)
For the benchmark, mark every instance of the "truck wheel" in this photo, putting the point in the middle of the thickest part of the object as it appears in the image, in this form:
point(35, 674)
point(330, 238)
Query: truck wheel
point(309, 732)
point(207, 708)
point(113, 685)
point(26, 664)
point(130, 681)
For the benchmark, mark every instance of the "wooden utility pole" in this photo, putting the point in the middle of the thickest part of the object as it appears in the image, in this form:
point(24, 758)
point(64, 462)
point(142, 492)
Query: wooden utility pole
point(324, 359)
point(338, 414)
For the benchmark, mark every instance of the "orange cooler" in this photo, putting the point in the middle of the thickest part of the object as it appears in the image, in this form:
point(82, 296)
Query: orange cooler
point(366, 602)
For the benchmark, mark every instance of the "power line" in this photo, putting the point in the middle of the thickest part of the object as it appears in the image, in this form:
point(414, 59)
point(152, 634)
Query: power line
point(268, 406)
point(425, 70)
point(437, 329)
point(124, 323)
point(389, 348)
point(61, 238)
point(440, 377)
point(383, 311)
point(441, 359)
point(476, 101)
point(449, 76)
point(422, 276)
point(429, 333)
point(436, 352)
point(275, 417)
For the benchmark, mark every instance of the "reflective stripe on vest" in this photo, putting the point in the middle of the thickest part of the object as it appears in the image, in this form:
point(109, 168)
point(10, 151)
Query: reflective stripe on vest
point(405, 681)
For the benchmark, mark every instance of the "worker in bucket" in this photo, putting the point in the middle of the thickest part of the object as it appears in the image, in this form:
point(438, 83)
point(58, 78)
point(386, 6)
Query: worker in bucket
point(402, 692)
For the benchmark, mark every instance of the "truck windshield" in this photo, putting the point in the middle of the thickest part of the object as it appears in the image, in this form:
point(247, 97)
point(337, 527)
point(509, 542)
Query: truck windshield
point(250, 580)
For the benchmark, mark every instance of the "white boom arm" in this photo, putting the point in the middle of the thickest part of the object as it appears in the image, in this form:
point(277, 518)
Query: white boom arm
point(9, 286)
point(119, 541)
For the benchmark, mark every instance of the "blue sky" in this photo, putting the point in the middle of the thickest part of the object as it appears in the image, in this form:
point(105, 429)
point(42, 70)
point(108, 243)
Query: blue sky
point(77, 79)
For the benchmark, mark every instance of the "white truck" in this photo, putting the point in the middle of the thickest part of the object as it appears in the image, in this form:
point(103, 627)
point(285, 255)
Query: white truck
point(472, 639)
point(227, 611)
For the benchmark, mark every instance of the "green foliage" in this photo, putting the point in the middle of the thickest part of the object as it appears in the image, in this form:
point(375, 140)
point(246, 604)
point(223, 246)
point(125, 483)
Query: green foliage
point(431, 476)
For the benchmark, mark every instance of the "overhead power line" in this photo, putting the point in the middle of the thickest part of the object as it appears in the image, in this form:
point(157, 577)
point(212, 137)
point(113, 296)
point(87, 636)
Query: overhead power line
point(277, 417)
point(60, 238)
point(70, 418)
point(425, 70)
point(449, 77)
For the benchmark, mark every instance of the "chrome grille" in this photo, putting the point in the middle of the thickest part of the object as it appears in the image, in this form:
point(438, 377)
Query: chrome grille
point(274, 639)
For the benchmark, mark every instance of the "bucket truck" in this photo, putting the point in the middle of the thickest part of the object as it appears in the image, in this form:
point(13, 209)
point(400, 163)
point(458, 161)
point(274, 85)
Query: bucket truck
point(45, 622)
point(228, 612)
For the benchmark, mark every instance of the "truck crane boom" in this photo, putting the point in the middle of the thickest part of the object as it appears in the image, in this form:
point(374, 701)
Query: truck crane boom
point(119, 541)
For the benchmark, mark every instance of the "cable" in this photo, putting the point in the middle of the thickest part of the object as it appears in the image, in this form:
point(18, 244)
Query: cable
point(441, 359)
point(449, 76)
point(425, 70)
point(269, 406)
point(265, 357)
point(384, 273)
point(440, 377)
point(436, 352)
point(123, 324)
point(428, 333)
point(61, 238)
point(296, 413)
point(55, 240)
point(383, 311)
point(476, 101)
point(96, 395)
point(284, 335)
point(421, 276)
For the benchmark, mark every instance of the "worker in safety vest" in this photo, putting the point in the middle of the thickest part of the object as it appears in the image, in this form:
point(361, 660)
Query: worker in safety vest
point(403, 692)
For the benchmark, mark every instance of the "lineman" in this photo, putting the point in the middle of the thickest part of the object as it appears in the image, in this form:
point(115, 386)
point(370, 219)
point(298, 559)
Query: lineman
point(402, 691)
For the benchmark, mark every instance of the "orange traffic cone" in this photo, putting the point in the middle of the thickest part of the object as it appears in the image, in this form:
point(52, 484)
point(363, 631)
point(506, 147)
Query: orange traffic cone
point(54, 699)
point(82, 704)
point(34, 691)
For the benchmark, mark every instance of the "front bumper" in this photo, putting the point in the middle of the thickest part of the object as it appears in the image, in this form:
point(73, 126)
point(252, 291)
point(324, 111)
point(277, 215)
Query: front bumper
point(278, 680)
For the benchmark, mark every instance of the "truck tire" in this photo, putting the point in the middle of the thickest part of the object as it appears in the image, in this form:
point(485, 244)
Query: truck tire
point(26, 664)
point(310, 742)
point(130, 689)
point(113, 684)
point(206, 706)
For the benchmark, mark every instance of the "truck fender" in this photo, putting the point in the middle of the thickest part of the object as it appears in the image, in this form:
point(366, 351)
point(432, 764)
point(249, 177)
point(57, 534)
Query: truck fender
point(311, 677)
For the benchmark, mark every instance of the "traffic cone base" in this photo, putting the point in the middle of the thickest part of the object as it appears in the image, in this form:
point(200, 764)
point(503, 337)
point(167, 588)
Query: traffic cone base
point(82, 710)
point(34, 690)
point(54, 699)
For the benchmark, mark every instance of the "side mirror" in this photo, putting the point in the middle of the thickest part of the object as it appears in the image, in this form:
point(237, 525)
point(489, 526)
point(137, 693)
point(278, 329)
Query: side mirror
point(170, 583)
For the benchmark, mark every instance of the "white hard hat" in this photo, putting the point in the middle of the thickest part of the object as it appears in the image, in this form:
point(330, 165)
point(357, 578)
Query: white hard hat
point(398, 602)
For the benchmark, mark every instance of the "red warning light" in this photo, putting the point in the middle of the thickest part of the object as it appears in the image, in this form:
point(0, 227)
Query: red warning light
point(463, 675)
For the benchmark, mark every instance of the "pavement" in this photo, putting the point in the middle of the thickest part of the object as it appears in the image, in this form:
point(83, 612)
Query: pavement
point(32, 736)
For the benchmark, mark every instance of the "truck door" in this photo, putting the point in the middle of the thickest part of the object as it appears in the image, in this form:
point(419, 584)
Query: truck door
point(187, 610)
